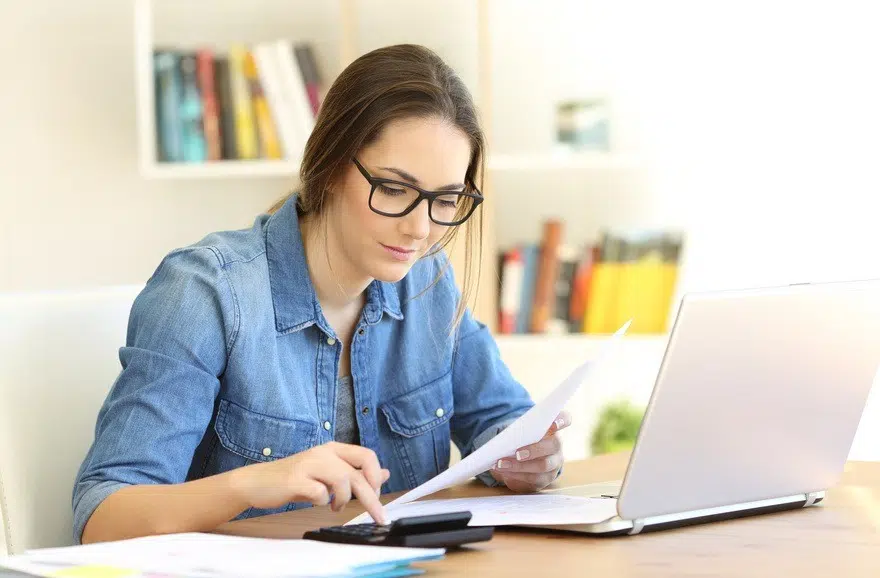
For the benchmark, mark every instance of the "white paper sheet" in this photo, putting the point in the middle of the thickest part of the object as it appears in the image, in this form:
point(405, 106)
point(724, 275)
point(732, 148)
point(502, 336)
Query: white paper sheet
point(210, 555)
point(517, 510)
point(528, 429)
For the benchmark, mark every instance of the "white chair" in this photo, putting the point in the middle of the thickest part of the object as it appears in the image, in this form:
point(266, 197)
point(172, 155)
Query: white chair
point(58, 360)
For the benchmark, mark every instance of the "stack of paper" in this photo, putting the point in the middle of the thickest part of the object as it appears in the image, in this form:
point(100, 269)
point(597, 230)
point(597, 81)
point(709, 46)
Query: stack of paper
point(212, 556)
point(528, 429)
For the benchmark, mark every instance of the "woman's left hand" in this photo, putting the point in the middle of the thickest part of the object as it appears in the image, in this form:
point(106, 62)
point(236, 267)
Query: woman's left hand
point(536, 466)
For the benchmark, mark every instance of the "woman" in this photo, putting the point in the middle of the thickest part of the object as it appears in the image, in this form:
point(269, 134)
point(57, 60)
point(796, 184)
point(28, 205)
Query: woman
point(325, 353)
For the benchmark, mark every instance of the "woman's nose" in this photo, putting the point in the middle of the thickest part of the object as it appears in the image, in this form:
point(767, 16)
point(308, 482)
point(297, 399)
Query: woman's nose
point(417, 224)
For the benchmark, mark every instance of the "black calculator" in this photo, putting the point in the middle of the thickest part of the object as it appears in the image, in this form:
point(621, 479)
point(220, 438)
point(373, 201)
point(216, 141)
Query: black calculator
point(434, 531)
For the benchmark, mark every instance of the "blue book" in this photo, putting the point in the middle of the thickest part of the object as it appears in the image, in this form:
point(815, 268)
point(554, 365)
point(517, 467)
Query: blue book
point(168, 95)
point(195, 149)
point(530, 255)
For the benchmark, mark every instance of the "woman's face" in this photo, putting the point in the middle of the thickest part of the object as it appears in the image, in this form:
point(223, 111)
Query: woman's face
point(428, 153)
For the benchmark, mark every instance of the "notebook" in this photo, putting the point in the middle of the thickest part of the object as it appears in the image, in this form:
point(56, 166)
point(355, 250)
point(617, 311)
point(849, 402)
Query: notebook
point(199, 555)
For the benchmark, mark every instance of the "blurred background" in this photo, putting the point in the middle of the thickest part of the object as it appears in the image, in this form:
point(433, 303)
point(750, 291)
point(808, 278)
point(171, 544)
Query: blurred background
point(638, 150)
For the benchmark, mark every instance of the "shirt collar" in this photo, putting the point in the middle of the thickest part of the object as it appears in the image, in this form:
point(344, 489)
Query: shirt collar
point(293, 294)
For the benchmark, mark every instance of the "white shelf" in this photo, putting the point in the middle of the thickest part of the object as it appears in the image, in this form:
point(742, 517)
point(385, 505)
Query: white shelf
point(221, 169)
point(562, 160)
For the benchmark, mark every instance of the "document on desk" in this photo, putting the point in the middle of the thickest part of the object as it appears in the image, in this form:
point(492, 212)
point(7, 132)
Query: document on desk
point(528, 429)
point(196, 555)
point(518, 510)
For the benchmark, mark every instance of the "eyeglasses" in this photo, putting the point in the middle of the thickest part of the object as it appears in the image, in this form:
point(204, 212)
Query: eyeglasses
point(395, 199)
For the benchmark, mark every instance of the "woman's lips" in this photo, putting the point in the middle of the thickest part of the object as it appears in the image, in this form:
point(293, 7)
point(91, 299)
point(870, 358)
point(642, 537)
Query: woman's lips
point(399, 253)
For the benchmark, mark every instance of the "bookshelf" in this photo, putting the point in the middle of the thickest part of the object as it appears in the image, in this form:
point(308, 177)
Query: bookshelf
point(334, 28)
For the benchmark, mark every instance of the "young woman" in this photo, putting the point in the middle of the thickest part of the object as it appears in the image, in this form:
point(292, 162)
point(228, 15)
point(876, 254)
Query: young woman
point(326, 352)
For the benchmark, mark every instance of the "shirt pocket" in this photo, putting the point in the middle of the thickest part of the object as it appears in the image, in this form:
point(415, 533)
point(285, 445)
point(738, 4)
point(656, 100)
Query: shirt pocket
point(247, 437)
point(259, 437)
point(420, 429)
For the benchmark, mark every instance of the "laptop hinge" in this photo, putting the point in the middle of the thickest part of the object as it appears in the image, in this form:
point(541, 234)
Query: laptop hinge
point(811, 498)
point(638, 524)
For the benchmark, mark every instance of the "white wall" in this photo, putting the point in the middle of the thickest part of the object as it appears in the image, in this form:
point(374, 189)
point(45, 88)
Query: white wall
point(73, 210)
point(758, 120)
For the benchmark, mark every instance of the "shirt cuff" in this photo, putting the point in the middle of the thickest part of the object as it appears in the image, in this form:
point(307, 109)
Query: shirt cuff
point(88, 502)
point(481, 440)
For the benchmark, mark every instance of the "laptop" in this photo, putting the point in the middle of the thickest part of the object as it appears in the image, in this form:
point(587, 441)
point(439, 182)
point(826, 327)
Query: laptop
point(754, 409)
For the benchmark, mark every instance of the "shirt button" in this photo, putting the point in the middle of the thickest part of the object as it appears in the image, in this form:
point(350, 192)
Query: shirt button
point(267, 452)
point(361, 331)
point(365, 411)
point(331, 341)
point(439, 412)
point(327, 425)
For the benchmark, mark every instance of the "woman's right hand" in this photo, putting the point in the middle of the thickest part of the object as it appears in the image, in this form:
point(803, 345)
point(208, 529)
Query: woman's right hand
point(340, 470)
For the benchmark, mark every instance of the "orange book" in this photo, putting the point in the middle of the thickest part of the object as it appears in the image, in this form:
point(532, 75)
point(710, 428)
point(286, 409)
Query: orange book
point(580, 290)
point(210, 108)
point(544, 300)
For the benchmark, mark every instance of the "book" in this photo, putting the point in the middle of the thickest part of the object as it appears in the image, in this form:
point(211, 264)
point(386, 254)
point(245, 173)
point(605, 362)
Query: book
point(545, 281)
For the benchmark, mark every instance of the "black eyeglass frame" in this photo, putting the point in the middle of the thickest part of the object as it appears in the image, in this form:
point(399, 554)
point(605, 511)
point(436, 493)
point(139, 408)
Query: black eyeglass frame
point(423, 194)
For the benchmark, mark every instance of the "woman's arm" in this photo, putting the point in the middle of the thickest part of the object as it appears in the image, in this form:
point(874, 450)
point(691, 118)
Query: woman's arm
point(343, 471)
point(144, 510)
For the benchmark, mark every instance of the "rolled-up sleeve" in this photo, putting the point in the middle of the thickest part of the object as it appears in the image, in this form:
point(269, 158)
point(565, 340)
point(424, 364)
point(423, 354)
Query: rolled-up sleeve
point(180, 331)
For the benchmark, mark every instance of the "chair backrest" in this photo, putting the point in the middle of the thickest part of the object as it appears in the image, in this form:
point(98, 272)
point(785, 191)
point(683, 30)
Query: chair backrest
point(58, 360)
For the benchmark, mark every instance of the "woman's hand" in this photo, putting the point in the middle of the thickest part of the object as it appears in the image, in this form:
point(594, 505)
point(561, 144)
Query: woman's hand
point(534, 467)
point(331, 469)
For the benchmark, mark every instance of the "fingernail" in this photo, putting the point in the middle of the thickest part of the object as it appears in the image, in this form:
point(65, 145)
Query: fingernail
point(559, 422)
point(522, 455)
point(502, 465)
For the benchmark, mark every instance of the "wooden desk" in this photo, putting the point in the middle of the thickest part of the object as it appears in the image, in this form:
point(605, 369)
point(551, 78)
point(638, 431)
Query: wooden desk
point(840, 538)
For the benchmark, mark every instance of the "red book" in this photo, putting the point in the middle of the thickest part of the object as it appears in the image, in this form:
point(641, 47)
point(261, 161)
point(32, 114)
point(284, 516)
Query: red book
point(211, 113)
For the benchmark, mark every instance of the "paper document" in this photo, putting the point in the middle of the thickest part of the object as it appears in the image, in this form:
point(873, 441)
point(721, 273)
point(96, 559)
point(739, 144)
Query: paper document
point(526, 430)
point(521, 510)
point(210, 555)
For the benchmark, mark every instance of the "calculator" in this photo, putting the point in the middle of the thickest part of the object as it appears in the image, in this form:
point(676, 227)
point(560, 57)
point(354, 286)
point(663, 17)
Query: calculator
point(448, 530)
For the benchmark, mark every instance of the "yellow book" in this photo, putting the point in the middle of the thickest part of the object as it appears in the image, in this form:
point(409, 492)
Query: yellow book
point(601, 314)
point(266, 134)
point(245, 129)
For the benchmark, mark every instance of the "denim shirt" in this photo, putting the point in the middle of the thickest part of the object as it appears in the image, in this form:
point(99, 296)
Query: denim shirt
point(229, 361)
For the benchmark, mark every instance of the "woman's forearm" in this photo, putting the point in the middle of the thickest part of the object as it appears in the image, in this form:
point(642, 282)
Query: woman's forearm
point(143, 510)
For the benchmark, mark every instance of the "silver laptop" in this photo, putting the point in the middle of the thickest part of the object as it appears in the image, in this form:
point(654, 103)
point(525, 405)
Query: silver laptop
point(754, 409)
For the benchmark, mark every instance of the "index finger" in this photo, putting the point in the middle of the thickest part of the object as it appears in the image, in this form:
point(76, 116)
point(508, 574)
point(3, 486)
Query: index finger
point(367, 496)
point(364, 459)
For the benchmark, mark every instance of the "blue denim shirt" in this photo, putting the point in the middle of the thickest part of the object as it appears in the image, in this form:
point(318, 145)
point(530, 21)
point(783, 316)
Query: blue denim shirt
point(229, 361)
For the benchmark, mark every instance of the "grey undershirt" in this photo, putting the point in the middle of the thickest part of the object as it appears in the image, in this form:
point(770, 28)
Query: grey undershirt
point(346, 431)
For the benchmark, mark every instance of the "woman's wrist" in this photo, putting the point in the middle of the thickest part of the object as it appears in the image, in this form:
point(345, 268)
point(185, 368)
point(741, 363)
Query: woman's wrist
point(239, 486)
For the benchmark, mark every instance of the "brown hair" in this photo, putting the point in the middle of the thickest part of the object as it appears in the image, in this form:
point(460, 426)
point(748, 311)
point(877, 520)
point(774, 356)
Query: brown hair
point(387, 84)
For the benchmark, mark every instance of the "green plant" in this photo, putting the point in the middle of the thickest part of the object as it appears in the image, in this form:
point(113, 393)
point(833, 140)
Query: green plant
point(617, 427)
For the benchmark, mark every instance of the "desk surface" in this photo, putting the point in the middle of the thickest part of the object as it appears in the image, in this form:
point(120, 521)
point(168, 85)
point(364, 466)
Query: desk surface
point(839, 538)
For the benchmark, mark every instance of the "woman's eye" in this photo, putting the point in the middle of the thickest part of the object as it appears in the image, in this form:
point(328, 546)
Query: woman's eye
point(448, 202)
point(385, 189)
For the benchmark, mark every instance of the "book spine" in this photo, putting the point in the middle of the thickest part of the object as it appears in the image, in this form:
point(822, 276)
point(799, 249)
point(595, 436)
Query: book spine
point(265, 125)
point(511, 290)
point(546, 278)
point(226, 107)
point(167, 104)
point(305, 57)
point(194, 149)
point(245, 129)
point(211, 115)
point(562, 289)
